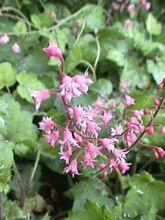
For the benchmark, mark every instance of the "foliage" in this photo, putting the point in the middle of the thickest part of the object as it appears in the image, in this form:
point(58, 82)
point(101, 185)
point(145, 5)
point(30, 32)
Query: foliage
point(92, 36)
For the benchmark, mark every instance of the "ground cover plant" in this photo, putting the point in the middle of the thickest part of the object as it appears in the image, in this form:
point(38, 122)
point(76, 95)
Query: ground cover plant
point(82, 109)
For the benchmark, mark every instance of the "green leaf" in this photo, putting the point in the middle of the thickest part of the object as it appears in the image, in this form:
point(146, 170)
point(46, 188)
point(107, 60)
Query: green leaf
point(153, 26)
point(7, 75)
point(116, 56)
point(28, 81)
point(13, 211)
point(93, 211)
point(6, 161)
point(35, 204)
point(92, 189)
point(15, 128)
point(157, 69)
point(20, 27)
point(145, 197)
point(135, 75)
point(102, 87)
point(36, 21)
point(80, 52)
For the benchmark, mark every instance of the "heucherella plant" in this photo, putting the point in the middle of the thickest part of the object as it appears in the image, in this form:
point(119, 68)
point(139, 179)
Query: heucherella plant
point(88, 138)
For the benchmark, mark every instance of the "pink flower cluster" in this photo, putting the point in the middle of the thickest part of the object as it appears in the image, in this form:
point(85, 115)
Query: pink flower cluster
point(92, 135)
point(4, 39)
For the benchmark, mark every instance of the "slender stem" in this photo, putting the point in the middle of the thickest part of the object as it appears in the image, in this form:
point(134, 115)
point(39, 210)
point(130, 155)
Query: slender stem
point(91, 67)
point(18, 179)
point(1, 208)
point(17, 11)
point(150, 122)
point(80, 33)
point(28, 185)
point(62, 22)
point(98, 53)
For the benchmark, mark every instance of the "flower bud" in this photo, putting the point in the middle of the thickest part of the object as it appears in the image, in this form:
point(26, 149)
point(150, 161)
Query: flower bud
point(163, 130)
point(158, 152)
point(101, 166)
point(150, 130)
point(156, 102)
point(147, 111)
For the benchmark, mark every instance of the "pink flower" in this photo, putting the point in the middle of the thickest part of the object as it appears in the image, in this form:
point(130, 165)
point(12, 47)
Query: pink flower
point(52, 138)
point(108, 143)
point(131, 8)
point(66, 155)
point(16, 48)
point(150, 130)
point(147, 6)
point(117, 130)
point(92, 150)
point(123, 166)
point(163, 130)
point(53, 51)
point(88, 161)
point(124, 84)
point(128, 101)
point(93, 128)
point(83, 82)
point(39, 96)
point(68, 140)
point(4, 39)
point(158, 152)
point(130, 138)
point(106, 118)
point(98, 104)
point(138, 113)
point(113, 165)
point(69, 88)
point(47, 124)
point(127, 24)
point(72, 168)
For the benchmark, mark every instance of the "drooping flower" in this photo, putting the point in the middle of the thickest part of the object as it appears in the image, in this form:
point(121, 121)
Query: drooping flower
point(47, 124)
point(52, 138)
point(128, 101)
point(4, 39)
point(88, 161)
point(106, 118)
point(16, 48)
point(65, 155)
point(123, 166)
point(72, 168)
point(158, 152)
point(131, 8)
point(39, 96)
point(53, 51)
point(117, 130)
point(83, 82)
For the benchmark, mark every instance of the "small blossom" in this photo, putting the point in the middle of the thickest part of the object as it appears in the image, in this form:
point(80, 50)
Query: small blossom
point(127, 24)
point(123, 166)
point(46, 124)
point(128, 101)
point(138, 113)
point(150, 130)
point(92, 150)
point(66, 156)
point(72, 168)
point(124, 84)
point(147, 6)
point(52, 138)
point(4, 39)
point(39, 96)
point(106, 118)
point(101, 166)
point(158, 152)
point(131, 8)
point(53, 51)
point(16, 48)
point(88, 161)
point(163, 130)
point(117, 130)
point(108, 143)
